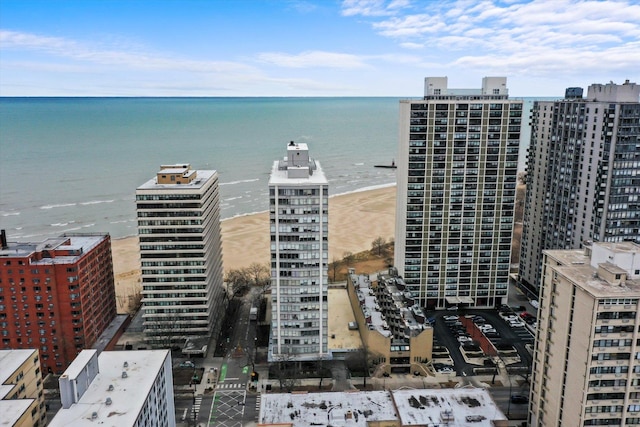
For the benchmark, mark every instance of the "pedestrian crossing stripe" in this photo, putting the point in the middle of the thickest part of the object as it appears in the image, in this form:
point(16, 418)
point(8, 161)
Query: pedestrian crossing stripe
point(230, 385)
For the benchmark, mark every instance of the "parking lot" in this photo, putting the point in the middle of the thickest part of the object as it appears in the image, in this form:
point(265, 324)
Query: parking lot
point(465, 331)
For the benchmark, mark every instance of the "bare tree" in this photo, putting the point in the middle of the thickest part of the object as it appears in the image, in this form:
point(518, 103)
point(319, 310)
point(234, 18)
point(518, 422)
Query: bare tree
point(378, 245)
point(334, 266)
point(260, 275)
point(287, 372)
point(348, 258)
point(238, 281)
point(363, 359)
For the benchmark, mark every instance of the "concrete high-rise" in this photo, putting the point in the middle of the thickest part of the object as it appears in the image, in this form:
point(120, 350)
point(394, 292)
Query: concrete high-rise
point(298, 212)
point(57, 295)
point(583, 173)
point(181, 256)
point(457, 166)
point(586, 364)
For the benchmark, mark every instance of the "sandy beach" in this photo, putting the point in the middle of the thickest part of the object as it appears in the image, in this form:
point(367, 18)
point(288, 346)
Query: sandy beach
point(355, 220)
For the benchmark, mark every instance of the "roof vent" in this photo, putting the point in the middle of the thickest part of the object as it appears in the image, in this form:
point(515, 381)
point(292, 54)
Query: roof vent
point(125, 364)
point(110, 387)
point(108, 401)
point(94, 415)
point(124, 374)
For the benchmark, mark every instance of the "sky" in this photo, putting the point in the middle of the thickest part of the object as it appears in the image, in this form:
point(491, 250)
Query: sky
point(312, 47)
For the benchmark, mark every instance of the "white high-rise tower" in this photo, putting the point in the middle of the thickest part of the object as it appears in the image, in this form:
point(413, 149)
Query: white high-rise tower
point(299, 203)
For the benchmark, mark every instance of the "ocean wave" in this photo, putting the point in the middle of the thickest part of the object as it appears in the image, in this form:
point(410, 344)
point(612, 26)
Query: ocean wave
point(9, 213)
point(62, 224)
point(228, 199)
point(96, 202)
point(358, 164)
point(239, 181)
point(61, 205)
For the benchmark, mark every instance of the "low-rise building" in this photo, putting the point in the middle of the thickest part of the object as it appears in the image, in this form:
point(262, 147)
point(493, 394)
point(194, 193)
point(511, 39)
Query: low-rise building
point(21, 394)
point(119, 389)
point(394, 330)
point(428, 407)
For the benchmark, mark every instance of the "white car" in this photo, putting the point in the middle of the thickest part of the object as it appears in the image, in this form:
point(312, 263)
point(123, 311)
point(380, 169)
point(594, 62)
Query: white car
point(464, 339)
point(450, 318)
point(534, 303)
point(485, 327)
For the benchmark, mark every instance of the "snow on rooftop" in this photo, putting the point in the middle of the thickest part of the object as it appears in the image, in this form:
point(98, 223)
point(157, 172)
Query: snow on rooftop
point(451, 407)
point(322, 409)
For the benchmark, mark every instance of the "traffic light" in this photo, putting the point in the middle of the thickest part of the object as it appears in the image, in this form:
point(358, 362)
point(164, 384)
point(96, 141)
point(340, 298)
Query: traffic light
point(254, 376)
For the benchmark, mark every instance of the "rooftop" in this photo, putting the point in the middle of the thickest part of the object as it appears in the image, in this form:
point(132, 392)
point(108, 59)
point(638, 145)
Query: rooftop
point(340, 314)
point(127, 396)
point(76, 244)
point(202, 177)
point(451, 407)
point(12, 409)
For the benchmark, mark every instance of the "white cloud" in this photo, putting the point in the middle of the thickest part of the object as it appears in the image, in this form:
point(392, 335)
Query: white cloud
point(540, 36)
point(313, 59)
point(85, 53)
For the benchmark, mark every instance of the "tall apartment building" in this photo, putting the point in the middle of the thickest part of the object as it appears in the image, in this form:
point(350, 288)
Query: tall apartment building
point(583, 173)
point(299, 208)
point(57, 295)
point(21, 392)
point(586, 365)
point(457, 166)
point(181, 255)
point(117, 388)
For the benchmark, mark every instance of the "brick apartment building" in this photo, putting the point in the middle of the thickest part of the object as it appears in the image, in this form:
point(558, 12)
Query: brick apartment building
point(57, 295)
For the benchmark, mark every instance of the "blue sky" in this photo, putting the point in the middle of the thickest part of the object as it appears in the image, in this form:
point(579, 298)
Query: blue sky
point(312, 47)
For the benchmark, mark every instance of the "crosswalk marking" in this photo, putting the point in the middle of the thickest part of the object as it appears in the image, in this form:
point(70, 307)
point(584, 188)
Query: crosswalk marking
point(222, 386)
point(196, 405)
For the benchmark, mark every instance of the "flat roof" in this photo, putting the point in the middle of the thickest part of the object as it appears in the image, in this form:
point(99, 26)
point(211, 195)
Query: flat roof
point(197, 183)
point(577, 268)
point(341, 338)
point(452, 407)
point(280, 176)
point(10, 361)
point(328, 408)
point(79, 242)
point(128, 395)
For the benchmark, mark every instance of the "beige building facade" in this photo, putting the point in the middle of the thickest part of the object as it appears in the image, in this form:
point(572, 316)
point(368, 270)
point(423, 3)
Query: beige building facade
point(586, 368)
point(21, 392)
point(393, 330)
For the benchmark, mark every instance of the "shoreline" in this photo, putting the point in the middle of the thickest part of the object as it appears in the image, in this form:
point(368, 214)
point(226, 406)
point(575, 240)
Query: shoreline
point(356, 218)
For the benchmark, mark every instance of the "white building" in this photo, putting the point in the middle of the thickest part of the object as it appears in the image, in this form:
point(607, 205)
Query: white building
point(586, 365)
point(583, 173)
point(117, 388)
point(417, 407)
point(457, 166)
point(181, 254)
point(299, 203)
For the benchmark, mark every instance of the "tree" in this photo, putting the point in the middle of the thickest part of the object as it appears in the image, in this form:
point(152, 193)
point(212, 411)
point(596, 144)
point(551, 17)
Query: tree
point(238, 282)
point(362, 359)
point(335, 265)
point(260, 275)
point(348, 258)
point(287, 372)
point(378, 245)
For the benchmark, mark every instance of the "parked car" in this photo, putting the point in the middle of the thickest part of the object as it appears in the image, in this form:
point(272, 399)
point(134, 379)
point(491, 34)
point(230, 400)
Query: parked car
point(450, 318)
point(519, 398)
point(534, 303)
point(187, 364)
